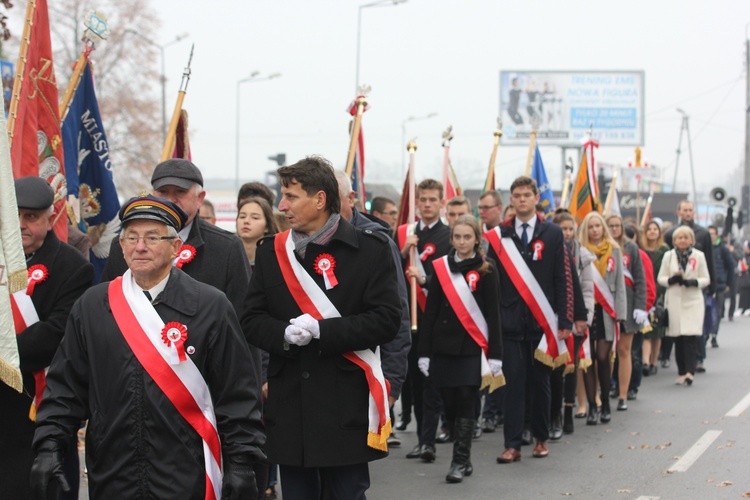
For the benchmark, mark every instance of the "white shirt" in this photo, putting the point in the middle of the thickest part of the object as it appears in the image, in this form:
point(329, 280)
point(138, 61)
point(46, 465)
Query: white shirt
point(156, 289)
point(529, 230)
point(422, 225)
point(186, 231)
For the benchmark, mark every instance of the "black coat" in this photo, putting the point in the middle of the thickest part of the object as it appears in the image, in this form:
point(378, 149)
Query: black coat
point(69, 276)
point(552, 272)
point(316, 412)
point(220, 261)
point(443, 333)
point(137, 444)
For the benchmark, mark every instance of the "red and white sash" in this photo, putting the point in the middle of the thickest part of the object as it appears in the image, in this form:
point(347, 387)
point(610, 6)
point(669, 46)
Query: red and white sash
point(25, 315)
point(626, 271)
point(313, 301)
point(181, 381)
point(402, 232)
point(551, 350)
point(604, 298)
point(458, 293)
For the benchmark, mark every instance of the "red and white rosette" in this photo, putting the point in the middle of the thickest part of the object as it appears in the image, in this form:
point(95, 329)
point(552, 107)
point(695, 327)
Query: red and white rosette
point(610, 264)
point(37, 274)
point(538, 247)
point(185, 255)
point(429, 249)
point(324, 265)
point(175, 334)
point(472, 278)
point(693, 263)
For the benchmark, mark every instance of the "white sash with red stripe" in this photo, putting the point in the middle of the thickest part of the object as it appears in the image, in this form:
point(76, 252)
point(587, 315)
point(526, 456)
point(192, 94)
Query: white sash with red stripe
point(25, 315)
point(313, 301)
point(462, 301)
point(403, 231)
point(181, 382)
point(604, 298)
point(551, 350)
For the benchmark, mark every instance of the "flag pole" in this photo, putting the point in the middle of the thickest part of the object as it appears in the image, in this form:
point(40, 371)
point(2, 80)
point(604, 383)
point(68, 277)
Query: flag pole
point(20, 69)
point(498, 133)
point(361, 103)
point(75, 79)
point(610, 195)
point(412, 148)
point(447, 170)
point(532, 145)
point(638, 197)
point(566, 185)
point(168, 149)
point(648, 208)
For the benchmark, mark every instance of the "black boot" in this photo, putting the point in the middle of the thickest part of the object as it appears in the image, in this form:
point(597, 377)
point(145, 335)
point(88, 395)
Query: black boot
point(568, 420)
point(461, 463)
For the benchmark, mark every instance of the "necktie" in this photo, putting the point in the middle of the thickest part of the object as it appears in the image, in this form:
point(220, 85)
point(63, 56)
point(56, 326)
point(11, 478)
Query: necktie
point(524, 236)
point(148, 295)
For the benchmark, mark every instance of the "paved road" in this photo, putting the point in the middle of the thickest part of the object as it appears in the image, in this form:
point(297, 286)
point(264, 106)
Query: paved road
point(630, 458)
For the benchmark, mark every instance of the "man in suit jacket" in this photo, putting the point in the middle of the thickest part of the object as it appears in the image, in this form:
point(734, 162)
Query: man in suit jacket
point(541, 246)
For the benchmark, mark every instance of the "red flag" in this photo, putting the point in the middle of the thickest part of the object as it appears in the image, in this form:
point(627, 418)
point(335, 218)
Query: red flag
point(37, 145)
point(182, 143)
point(450, 182)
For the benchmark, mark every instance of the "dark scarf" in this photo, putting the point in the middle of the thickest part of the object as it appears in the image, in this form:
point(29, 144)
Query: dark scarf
point(321, 237)
point(682, 257)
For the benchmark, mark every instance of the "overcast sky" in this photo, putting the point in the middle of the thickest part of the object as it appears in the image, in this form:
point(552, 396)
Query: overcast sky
point(441, 56)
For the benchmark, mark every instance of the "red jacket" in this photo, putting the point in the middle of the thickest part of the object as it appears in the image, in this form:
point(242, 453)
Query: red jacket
point(648, 270)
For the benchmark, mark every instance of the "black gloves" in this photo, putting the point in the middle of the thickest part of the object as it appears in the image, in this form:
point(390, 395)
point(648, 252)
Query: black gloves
point(677, 278)
point(239, 479)
point(47, 475)
point(689, 283)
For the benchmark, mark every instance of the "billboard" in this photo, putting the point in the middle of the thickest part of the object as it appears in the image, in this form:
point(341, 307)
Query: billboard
point(566, 104)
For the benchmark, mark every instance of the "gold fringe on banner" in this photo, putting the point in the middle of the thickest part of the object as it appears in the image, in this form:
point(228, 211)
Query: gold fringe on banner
point(11, 375)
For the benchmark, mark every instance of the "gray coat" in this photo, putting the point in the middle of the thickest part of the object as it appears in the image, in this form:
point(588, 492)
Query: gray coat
point(637, 293)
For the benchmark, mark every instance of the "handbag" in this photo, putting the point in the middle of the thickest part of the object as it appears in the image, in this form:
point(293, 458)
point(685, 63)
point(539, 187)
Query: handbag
point(660, 314)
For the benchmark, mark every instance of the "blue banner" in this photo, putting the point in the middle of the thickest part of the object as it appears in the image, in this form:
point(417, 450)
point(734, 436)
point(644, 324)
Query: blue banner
point(546, 198)
point(88, 169)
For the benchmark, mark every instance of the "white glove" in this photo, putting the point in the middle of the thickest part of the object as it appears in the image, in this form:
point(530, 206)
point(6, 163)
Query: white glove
point(496, 367)
point(424, 366)
point(297, 336)
point(307, 322)
point(640, 316)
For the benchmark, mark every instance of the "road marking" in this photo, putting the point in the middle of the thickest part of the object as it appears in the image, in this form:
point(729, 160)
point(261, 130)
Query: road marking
point(739, 407)
point(694, 453)
point(647, 498)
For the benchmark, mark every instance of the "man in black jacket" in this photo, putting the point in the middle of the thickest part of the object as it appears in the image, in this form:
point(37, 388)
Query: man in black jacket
point(724, 265)
point(209, 254)
point(58, 276)
point(156, 361)
point(321, 308)
point(541, 250)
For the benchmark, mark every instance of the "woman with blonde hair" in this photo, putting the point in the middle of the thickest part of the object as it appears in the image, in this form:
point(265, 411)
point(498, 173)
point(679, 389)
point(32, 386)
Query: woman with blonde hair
point(609, 310)
point(685, 273)
point(636, 316)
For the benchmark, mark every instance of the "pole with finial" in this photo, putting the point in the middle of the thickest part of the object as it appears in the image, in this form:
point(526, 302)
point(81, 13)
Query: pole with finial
point(169, 142)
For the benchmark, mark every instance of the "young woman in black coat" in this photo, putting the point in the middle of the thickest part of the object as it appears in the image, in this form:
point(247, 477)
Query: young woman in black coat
point(449, 355)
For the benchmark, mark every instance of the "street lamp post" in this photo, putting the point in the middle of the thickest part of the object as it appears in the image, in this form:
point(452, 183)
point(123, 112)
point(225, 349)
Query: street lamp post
point(378, 3)
point(255, 76)
point(161, 48)
point(403, 136)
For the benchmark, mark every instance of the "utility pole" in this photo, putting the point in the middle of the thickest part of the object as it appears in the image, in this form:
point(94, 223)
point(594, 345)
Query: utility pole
point(746, 185)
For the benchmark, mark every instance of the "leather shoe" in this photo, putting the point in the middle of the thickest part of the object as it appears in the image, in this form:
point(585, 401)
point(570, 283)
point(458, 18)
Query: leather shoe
point(555, 431)
point(416, 452)
point(489, 425)
point(443, 437)
point(403, 424)
point(526, 437)
point(622, 405)
point(605, 416)
point(593, 416)
point(540, 450)
point(632, 395)
point(428, 453)
point(665, 363)
point(509, 456)
point(699, 368)
point(653, 370)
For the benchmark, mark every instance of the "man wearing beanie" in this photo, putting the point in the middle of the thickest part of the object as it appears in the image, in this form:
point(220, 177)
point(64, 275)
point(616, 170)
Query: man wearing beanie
point(58, 275)
point(156, 361)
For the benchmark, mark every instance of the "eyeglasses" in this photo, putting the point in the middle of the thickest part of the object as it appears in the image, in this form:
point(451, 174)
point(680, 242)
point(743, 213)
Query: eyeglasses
point(391, 213)
point(485, 207)
point(150, 240)
point(614, 226)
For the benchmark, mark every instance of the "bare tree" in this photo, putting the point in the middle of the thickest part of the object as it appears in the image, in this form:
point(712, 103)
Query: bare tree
point(126, 75)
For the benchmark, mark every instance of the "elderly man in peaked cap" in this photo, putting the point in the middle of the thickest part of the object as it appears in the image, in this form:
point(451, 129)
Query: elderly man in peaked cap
point(58, 275)
point(156, 361)
point(208, 254)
